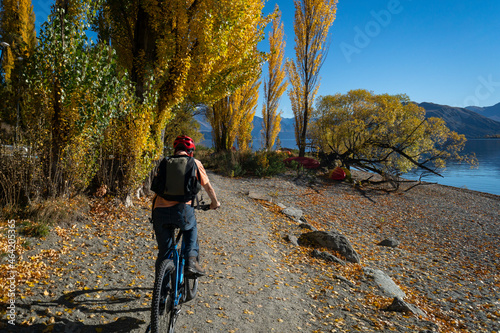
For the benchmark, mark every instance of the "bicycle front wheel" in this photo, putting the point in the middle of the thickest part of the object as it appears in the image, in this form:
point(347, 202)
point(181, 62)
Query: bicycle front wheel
point(162, 308)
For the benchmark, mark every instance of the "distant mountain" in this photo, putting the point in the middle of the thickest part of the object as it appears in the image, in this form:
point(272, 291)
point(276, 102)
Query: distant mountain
point(463, 120)
point(473, 122)
point(492, 112)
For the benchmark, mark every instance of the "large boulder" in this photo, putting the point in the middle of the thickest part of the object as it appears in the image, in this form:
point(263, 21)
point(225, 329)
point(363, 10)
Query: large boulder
point(384, 282)
point(333, 241)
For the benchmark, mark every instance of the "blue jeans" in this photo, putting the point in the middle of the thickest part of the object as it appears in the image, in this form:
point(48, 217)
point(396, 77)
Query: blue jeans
point(182, 216)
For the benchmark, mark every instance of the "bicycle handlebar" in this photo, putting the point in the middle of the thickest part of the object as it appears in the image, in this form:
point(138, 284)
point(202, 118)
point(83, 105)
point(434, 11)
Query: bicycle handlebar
point(203, 207)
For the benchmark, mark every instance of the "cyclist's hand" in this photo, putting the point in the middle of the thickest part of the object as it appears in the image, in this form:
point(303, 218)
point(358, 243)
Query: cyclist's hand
point(214, 205)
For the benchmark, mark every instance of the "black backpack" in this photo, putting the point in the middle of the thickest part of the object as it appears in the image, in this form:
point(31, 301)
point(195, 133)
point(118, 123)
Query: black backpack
point(177, 179)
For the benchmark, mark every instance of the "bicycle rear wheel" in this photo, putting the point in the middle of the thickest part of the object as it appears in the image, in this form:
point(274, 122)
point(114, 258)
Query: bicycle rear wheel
point(162, 312)
point(190, 289)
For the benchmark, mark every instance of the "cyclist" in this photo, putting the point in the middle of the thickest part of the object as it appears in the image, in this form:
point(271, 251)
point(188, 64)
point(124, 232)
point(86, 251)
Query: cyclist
point(181, 214)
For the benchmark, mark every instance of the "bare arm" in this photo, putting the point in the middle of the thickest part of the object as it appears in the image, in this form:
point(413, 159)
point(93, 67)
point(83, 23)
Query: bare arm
point(211, 193)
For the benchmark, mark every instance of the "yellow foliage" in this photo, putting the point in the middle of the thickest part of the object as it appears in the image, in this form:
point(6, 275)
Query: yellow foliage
point(246, 100)
point(274, 87)
point(232, 116)
point(313, 19)
point(383, 131)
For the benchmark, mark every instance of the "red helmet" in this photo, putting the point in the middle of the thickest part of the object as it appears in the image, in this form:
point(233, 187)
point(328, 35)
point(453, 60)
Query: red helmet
point(184, 142)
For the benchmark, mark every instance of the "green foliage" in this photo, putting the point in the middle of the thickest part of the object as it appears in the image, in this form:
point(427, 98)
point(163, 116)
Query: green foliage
point(33, 229)
point(72, 94)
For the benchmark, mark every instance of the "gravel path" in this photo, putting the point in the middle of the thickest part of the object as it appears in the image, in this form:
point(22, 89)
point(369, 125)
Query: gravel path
point(100, 271)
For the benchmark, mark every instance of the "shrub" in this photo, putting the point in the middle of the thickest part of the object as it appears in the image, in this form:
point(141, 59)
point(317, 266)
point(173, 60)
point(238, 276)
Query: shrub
point(237, 164)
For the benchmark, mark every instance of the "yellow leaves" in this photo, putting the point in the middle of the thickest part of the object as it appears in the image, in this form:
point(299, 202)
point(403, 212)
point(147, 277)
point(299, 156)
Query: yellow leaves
point(311, 25)
point(274, 87)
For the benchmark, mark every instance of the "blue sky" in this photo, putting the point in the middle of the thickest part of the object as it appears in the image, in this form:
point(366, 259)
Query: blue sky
point(440, 51)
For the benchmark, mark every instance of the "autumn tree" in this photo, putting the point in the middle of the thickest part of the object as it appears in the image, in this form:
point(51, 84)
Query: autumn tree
point(385, 134)
point(275, 85)
point(17, 28)
point(245, 100)
point(231, 117)
point(313, 19)
point(199, 50)
point(73, 94)
point(223, 120)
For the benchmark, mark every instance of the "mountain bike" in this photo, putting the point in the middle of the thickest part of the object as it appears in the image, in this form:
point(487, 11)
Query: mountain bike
point(171, 287)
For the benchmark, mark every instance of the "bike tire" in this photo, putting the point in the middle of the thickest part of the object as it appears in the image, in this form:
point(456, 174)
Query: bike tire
point(190, 289)
point(191, 284)
point(163, 321)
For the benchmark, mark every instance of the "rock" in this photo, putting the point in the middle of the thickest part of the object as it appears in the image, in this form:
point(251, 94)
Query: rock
point(307, 226)
point(72, 328)
point(293, 213)
point(385, 283)
point(343, 279)
point(292, 239)
point(327, 257)
point(259, 196)
point(280, 205)
point(389, 242)
point(128, 201)
point(399, 305)
point(332, 240)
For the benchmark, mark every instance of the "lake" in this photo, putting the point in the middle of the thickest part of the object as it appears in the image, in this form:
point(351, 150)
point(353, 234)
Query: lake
point(484, 178)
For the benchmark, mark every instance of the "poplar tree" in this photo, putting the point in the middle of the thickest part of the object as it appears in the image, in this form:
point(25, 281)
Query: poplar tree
point(196, 50)
point(74, 93)
point(231, 117)
point(274, 86)
point(17, 28)
point(224, 121)
point(313, 19)
point(246, 100)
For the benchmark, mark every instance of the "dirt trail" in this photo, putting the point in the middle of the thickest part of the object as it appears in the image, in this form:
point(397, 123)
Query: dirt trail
point(102, 275)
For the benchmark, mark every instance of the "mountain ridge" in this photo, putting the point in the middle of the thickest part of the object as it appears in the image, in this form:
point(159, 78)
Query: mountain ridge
point(472, 121)
point(492, 112)
point(462, 120)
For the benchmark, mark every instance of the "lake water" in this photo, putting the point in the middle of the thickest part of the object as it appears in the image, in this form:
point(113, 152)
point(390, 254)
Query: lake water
point(484, 178)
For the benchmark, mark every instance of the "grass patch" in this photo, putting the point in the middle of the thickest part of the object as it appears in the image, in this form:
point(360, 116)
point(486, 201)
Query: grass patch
point(34, 229)
point(37, 218)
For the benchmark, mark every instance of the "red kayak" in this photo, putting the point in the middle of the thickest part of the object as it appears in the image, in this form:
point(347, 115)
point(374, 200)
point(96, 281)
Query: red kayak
point(338, 174)
point(307, 162)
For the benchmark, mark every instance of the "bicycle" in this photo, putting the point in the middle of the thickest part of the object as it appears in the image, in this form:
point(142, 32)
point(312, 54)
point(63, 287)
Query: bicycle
point(171, 287)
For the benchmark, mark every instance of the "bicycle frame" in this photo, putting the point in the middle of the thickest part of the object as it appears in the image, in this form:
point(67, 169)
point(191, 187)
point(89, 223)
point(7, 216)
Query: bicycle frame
point(174, 254)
